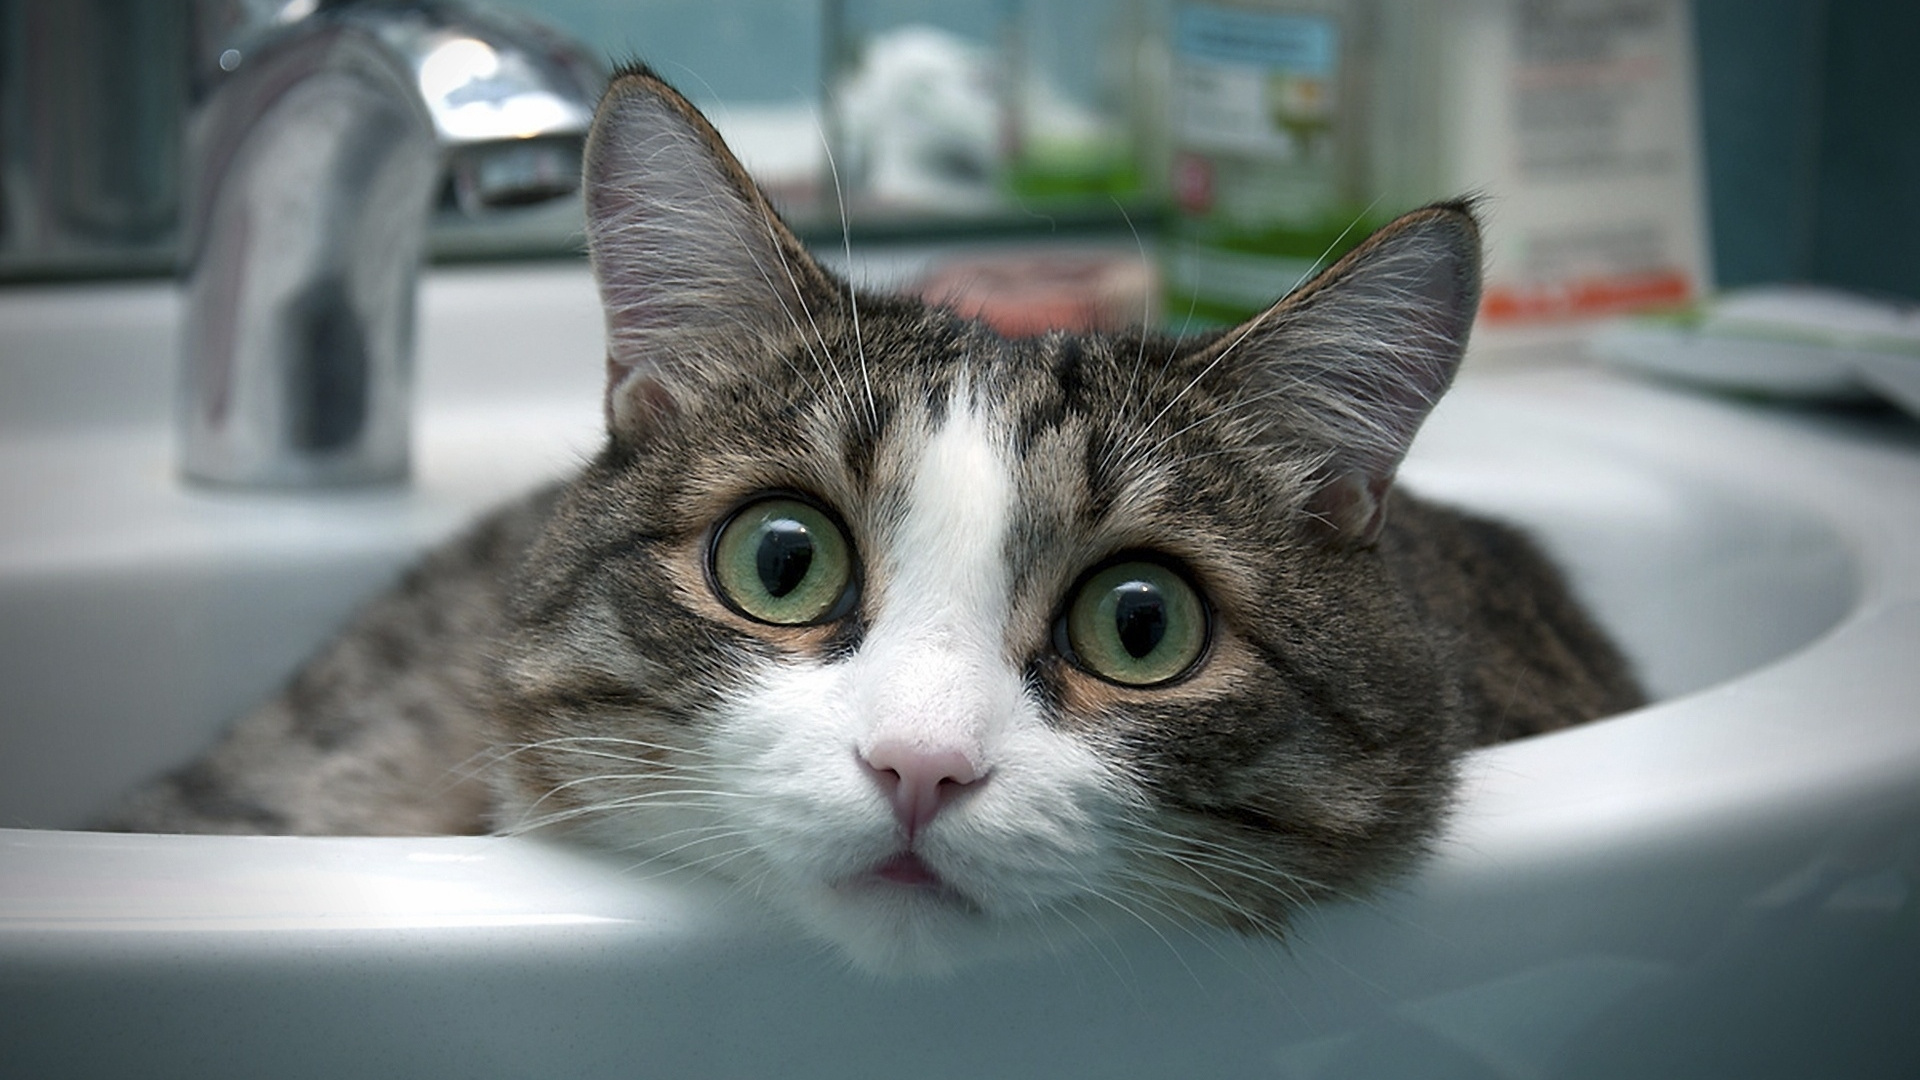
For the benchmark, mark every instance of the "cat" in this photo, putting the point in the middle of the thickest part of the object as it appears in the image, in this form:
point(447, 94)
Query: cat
point(939, 640)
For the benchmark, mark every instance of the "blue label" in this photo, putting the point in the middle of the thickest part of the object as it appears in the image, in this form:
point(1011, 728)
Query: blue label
point(1307, 44)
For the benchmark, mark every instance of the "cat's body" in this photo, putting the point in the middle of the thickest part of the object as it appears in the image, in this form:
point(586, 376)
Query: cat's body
point(936, 638)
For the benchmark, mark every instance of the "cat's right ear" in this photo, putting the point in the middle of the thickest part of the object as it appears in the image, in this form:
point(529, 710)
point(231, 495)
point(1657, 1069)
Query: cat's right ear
point(697, 273)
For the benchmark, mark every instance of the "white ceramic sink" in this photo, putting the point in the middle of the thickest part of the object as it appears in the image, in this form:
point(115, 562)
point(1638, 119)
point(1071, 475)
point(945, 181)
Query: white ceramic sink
point(1724, 883)
point(137, 613)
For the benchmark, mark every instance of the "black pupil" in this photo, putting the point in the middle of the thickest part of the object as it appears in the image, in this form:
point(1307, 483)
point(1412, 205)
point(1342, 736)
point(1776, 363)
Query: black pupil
point(1140, 617)
point(785, 555)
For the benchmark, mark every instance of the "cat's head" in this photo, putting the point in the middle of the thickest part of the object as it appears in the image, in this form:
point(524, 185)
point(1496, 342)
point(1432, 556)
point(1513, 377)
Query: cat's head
point(938, 639)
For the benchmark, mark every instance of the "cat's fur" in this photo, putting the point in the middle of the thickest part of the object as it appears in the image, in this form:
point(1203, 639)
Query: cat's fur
point(568, 663)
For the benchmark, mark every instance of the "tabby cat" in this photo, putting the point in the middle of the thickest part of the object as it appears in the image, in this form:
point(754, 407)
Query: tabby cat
point(935, 639)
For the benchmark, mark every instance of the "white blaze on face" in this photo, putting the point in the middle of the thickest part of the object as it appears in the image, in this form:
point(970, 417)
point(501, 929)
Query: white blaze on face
point(810, 817)
point(933, 670)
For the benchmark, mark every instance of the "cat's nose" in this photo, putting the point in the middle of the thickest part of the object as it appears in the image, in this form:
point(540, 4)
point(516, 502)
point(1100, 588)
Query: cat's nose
point(920, 782)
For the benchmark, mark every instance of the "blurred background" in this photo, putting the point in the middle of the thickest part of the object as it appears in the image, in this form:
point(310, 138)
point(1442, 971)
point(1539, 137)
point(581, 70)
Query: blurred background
point(1628, 153)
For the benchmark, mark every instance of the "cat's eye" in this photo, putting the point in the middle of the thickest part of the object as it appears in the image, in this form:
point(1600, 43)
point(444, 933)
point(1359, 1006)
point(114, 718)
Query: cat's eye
point(1134, 622)
point(784, 560)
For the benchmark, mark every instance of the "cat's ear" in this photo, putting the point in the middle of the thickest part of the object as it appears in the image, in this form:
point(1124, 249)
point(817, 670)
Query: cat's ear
point(1352, 362)
point(697, 273)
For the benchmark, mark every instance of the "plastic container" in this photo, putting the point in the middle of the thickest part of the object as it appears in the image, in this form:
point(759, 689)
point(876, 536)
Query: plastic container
point(1297, 127)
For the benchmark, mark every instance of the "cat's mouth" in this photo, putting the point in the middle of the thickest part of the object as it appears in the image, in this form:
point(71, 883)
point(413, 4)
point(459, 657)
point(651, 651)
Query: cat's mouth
point(906, 871)
point(910, 870)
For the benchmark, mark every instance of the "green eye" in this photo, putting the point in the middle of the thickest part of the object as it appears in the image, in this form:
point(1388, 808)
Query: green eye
point(1136, 623)
point(784, 561)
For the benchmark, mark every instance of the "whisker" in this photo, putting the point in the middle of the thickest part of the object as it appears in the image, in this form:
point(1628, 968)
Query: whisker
point(1152, 926)
point(616, 740)
point(1320, 263)
point(853, 300)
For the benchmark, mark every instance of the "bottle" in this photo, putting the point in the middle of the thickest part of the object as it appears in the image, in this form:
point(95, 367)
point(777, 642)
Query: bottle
point(1080, 84)
point(1300, 126)
point(1579, 127)
point(1270, 163)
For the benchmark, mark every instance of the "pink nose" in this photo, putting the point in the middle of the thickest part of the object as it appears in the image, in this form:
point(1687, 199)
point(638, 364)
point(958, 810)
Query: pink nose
point(919, 783)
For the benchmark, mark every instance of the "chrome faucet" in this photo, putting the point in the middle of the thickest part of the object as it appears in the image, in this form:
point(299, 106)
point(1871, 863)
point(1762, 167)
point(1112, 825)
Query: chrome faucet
point(325, 136)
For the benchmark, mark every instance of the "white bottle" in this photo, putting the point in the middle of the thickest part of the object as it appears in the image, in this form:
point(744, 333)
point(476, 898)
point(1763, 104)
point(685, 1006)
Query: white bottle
point(1299, 125)
point(1579, 126)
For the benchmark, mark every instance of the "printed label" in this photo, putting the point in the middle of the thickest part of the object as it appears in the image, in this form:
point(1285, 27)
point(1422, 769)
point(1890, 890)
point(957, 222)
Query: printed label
point(1300, 43)
point(1256, 84)
point(1581, 131)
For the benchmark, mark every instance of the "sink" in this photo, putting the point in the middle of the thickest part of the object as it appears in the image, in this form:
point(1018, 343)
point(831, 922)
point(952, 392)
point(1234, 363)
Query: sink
point(138, 615)
point(1722, 883)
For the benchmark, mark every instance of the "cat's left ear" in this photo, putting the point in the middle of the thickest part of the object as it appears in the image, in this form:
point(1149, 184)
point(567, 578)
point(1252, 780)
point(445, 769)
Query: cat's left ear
point(698, 274)
point(1352, 362)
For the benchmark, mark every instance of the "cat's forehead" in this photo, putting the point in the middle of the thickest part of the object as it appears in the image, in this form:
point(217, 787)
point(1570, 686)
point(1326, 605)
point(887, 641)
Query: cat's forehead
point(1034, 405)
point(1102, 442)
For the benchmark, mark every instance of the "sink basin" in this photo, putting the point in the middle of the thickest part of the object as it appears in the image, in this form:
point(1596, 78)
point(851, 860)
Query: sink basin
point(1726, 882)
point(138, 615)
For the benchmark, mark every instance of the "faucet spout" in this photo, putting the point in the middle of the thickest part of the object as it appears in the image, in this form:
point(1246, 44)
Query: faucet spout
point(317, 158)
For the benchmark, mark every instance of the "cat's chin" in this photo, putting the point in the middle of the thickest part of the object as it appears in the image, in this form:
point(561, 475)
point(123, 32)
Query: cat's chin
point(901, 920)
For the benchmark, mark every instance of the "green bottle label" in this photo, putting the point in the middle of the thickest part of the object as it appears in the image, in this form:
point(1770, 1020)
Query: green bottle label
point(1262, 170)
